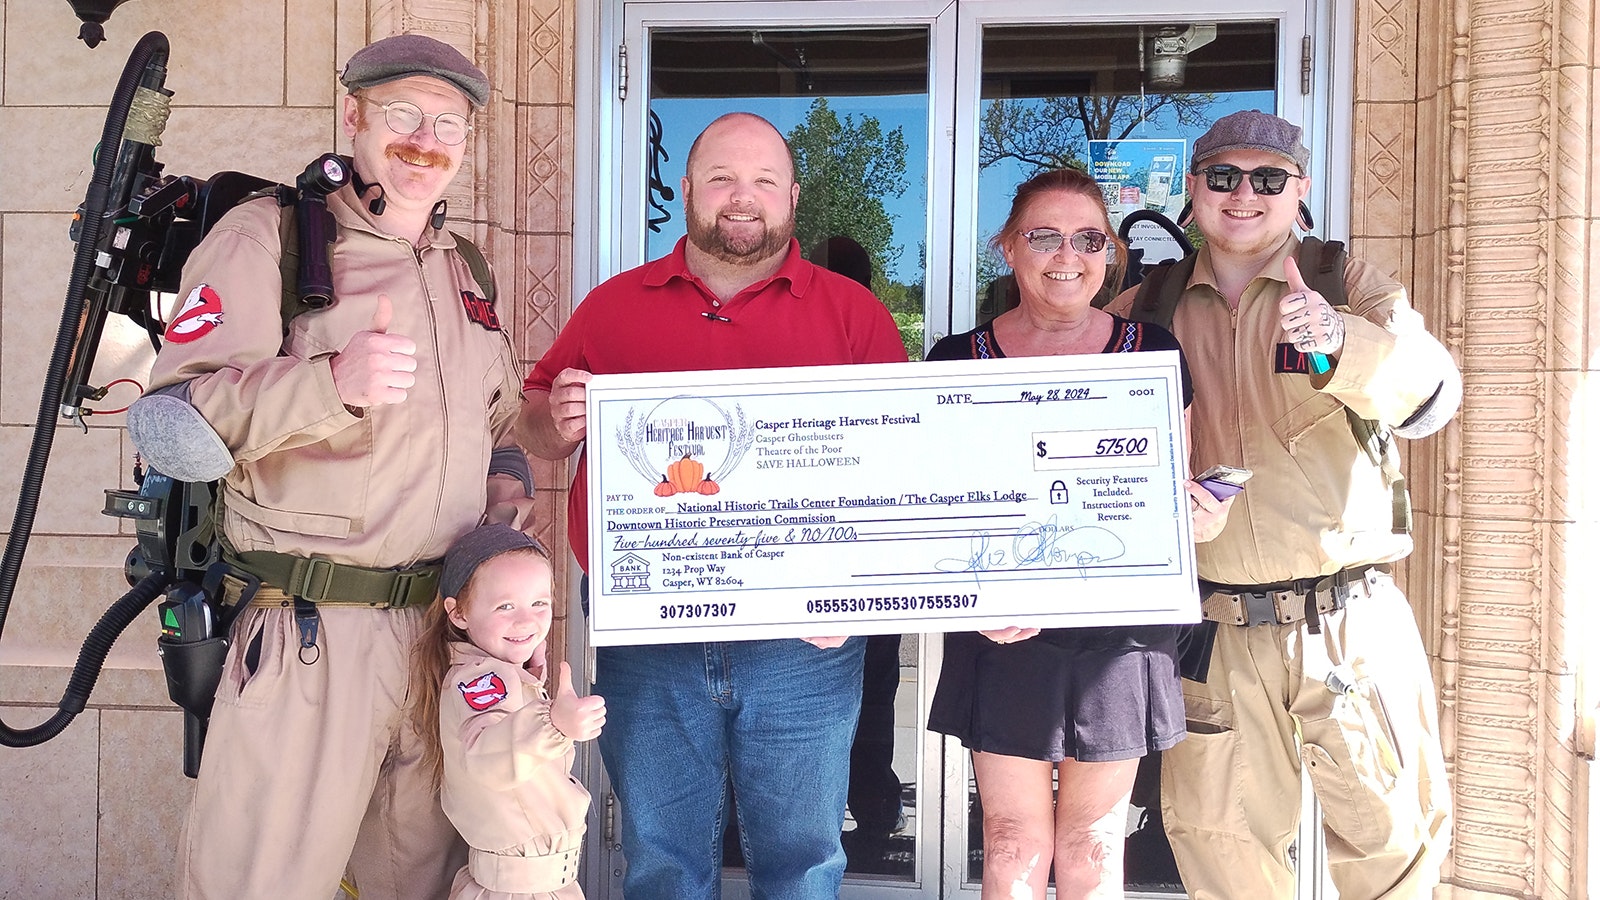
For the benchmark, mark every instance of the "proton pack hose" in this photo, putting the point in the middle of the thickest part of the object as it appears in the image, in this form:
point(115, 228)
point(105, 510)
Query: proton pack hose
point(149, 58)
point(91, 658)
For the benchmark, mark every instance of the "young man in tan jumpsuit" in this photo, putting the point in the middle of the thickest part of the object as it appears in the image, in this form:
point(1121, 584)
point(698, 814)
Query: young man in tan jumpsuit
point(363, 442)
point(1318, 663)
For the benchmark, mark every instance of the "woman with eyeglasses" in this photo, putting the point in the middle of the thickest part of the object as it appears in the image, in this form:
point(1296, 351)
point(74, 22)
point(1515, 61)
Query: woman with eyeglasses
point(1080, 704)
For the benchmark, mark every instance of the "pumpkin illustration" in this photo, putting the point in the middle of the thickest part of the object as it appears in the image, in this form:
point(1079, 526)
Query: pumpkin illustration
point(686, 475)
point(708, 487)
point(665, 488)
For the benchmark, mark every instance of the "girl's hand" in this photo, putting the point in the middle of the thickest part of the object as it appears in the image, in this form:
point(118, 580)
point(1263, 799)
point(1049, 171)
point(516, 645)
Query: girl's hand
point(579, 718)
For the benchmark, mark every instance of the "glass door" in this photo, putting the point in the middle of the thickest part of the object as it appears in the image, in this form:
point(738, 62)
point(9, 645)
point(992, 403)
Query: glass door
point(912, 122)
point(1123, 100)
point(851, 86)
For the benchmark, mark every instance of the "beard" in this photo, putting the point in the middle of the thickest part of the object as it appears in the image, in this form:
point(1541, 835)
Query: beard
point(709, 236)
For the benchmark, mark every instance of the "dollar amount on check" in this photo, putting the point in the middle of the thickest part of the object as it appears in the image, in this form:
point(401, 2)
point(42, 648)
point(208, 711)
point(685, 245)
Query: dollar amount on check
point(923, 497)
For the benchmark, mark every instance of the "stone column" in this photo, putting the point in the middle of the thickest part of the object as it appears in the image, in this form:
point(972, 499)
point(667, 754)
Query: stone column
point(1476, 155)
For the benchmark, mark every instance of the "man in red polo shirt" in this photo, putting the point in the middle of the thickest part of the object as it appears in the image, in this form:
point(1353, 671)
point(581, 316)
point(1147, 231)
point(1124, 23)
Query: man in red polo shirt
point(777, 716)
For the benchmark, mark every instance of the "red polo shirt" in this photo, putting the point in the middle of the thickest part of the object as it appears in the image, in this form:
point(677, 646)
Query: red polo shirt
point(650, 319)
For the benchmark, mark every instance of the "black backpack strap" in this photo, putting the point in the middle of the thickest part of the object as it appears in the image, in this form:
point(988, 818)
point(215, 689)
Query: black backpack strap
point(289, 304)
point(477, 265)
point(1159, 292)
point(1322, 264)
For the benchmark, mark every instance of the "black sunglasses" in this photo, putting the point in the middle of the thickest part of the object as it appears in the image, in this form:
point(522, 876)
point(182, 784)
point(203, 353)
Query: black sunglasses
point(1267, 180)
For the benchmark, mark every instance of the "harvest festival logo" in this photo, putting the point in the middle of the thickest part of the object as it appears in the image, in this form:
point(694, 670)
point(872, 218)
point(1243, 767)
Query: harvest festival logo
point(686, 445)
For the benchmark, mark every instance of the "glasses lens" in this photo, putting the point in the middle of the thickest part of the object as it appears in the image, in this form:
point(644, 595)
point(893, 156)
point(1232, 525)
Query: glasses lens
point(1223, 179)
point(1089, 241)
point(450, 128)
point(403, 117)
point(1044, 240)
point(1269, 180)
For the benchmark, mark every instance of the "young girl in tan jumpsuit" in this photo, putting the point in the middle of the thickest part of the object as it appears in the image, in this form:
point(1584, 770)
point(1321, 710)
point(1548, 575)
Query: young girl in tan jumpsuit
point(501, 746)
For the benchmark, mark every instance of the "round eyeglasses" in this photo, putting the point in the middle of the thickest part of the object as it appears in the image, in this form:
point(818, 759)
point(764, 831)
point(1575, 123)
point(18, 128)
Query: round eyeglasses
point(405, 117)
point(1049, 240)
point(1266, 180)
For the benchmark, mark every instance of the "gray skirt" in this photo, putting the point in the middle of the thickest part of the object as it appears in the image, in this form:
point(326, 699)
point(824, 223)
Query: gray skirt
point(1062, 695)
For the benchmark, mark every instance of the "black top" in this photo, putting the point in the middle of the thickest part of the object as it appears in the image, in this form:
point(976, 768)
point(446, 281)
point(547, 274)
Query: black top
point(1127, 336)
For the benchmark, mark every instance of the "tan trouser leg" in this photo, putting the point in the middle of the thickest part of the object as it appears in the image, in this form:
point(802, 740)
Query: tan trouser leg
point(1230, 791)
point(1373, 754)
point(292, 757)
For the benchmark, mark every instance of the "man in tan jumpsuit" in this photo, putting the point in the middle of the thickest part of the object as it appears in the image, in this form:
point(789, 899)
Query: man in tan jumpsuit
point(1318, 664)
point(364, 441)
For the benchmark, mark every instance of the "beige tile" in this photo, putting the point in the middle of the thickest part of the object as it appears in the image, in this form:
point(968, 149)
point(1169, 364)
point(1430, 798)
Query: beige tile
point(143, 798)
point(271, 143)
point(1384, 169)
point(50, 801)
point(310, 72)
point(544, 280)
point(232, 55)
point(351, 29)
point(1591, 340)
point(1385, 49)
point(1430, 166)
point(545, 62)
point(57, 176)
point(80, 467)
point(543, 180)
point(1391, 254)
point(118, 687)
point(56, 606)
point(1570, 272)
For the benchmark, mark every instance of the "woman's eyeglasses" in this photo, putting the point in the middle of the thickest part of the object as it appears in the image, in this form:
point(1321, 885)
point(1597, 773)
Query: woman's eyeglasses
point(405, 117)
point(1266, 180)
point(1049, 240)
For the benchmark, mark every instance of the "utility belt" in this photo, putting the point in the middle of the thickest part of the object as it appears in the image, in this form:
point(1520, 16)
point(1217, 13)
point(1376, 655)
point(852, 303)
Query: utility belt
point(1288, 602)
point(325, 583)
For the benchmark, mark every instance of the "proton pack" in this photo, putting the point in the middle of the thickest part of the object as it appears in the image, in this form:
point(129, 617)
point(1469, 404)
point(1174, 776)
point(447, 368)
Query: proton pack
point(134, 231)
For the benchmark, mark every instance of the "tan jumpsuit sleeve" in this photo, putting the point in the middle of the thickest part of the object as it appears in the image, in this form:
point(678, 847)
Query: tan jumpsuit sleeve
point(506, 745)
point(257, 400)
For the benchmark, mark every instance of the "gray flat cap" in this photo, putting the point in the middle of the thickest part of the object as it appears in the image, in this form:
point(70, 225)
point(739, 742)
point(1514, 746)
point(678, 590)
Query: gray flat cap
point(405, 55)
point(1252, 129)
point(477, 547)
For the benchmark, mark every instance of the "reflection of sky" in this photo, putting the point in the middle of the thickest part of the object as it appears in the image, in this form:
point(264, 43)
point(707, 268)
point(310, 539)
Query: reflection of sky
point(683, 119)
point(997, 184)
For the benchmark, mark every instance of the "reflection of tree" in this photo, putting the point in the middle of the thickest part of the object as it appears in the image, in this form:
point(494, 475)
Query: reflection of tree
point(846, 170)
point(1053, 132)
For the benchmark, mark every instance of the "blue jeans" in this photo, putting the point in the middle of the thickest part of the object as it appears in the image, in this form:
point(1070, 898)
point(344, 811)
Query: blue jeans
point(775, 718)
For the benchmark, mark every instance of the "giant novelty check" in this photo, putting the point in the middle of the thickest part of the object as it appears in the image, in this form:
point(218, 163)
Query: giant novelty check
point(879, 499)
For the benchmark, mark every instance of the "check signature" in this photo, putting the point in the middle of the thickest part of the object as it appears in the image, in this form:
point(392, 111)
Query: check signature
point(1039, 545)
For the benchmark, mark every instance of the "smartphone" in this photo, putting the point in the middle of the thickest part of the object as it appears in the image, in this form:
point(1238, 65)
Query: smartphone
point(1223, 481)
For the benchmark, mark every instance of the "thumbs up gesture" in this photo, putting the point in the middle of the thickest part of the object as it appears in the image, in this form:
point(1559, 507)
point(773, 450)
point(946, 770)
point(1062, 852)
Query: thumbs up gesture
point(1313, 326)
point(579, 718)
point(375, 367)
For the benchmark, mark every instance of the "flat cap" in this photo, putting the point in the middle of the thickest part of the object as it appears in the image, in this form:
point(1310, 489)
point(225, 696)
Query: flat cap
point(405, 55)
point(1252, 129)
point(477, 547)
